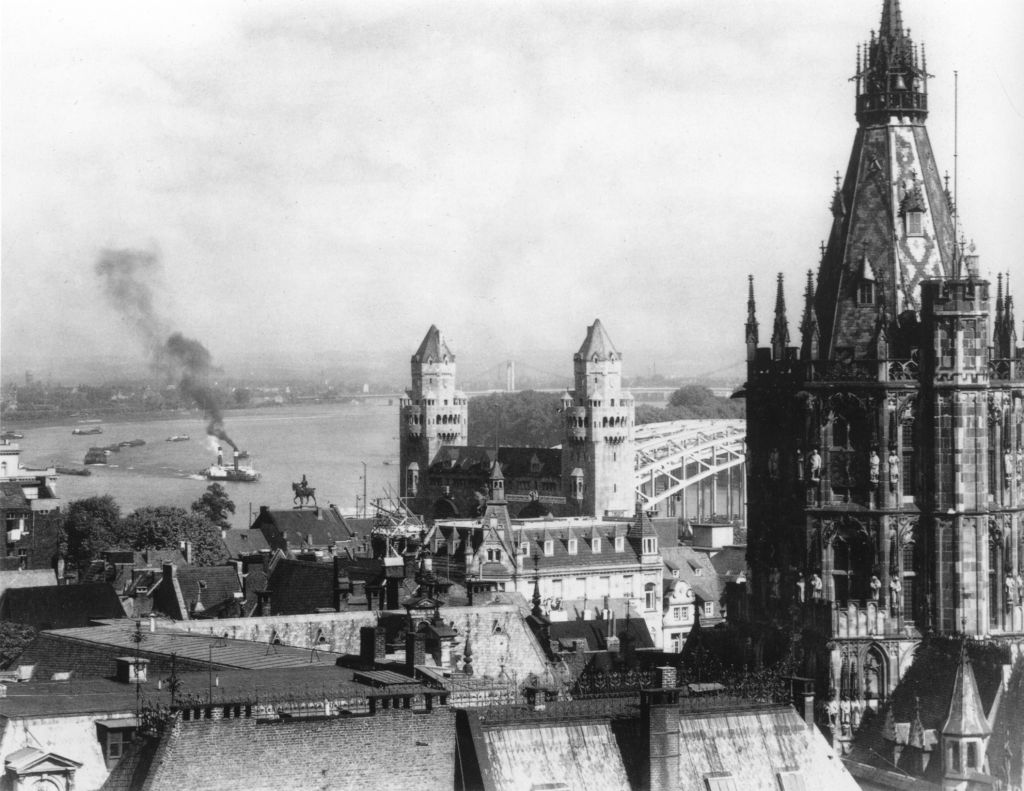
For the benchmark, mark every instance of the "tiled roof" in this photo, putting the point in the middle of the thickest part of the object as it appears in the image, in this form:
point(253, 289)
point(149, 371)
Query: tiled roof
point(1005, 756)
point(298, 586)
point(596, 632)
point(730, 562)
point(392, 749)
point(60, 606)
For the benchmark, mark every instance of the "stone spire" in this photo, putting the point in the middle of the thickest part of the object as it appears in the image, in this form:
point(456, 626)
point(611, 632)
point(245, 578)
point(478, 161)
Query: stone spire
point(751, 326)
point(809, 323)
point(780, 333)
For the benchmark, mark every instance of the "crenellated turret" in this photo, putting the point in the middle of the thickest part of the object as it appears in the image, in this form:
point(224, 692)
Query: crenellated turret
point(599, 428)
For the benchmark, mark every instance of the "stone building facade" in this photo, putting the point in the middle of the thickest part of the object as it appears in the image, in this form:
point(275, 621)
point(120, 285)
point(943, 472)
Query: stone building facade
point(885, 449)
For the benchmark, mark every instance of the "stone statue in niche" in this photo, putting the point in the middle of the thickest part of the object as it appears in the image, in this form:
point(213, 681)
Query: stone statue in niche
point(1019, 579)
point(816, 587)
point(801, 585)
point(874, 467)
point(773, 464)
point(876, 588)
point(814, 467)
point(894, 471)
point(895, 595)
point(1011, 591)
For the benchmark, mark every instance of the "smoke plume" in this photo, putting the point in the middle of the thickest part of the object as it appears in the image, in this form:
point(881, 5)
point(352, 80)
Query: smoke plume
point(129, 278)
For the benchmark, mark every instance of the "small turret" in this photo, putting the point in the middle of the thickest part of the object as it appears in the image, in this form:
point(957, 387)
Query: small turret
point(966, 731)
point(780, 332)
point(497, 483)
point(809, 323)
point(751, 326)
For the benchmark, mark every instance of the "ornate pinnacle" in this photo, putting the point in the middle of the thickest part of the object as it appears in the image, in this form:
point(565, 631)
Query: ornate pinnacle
point(751, 326)
point(780, 333)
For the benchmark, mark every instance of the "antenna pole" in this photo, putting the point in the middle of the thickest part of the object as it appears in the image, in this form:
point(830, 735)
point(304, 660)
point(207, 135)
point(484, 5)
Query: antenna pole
point(956, 172)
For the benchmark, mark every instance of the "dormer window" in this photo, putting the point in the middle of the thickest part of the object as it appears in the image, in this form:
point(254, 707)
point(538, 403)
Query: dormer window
point(915, 223)
point(912, 209)
point(595, 545)
point(866, 293)
point(650, 546)
point(573, 546)
point(619, 543)
point(549, 548)
point(524, 548)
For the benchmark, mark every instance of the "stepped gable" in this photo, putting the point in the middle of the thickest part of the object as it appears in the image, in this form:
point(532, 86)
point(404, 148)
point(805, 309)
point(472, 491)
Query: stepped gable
point(60, 606)
point(433, 348)
point(392, 749)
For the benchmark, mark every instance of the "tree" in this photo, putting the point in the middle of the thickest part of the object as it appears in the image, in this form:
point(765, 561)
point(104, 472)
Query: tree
point(526, 419)
point(166, 527)
point(13, 639)
point(214, 506)
point(90, 526)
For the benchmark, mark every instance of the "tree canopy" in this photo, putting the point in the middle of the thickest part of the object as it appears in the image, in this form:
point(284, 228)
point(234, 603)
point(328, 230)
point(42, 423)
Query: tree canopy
point(526, 419)
point(214, 506)
point(165, 527)
point(90, 526)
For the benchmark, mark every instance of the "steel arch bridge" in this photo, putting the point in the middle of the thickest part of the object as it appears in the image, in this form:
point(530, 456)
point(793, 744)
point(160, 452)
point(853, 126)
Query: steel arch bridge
point(672, 456)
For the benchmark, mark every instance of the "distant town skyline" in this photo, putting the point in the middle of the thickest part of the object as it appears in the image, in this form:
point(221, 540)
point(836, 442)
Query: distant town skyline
point(323, 181)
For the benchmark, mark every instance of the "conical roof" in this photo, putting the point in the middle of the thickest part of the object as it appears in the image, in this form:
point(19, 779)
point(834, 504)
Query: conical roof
point(966, 713)
point(433, 348)
point(597, 344)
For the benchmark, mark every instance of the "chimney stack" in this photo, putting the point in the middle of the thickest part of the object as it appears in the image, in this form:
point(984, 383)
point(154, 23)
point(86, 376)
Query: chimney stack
point(236, 459)
point(220, 456)
point(415, 652)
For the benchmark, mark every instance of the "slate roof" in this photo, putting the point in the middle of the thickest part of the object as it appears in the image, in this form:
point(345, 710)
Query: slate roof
point(730, 562)
point(298, 586)
point(12, 497)
point(597, 343)
point(214, 586)
point(596, 633)
point(433, 348)
point(243, 542)
point(298, 528)
point(60, 651)
point(60, 606)
point(695, 569)
point(476, 461)
point(1005, 756)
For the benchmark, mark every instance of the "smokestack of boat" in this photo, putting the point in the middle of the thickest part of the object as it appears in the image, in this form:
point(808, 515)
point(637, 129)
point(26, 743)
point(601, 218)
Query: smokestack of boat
point(220, 456)
point(236, 459)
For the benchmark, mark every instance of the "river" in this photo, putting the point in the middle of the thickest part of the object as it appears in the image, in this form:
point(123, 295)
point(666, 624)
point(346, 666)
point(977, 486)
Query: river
point(326, 442)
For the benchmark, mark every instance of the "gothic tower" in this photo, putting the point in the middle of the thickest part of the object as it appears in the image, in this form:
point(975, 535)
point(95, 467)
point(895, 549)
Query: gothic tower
point(597, 455)
point(433, 413)
point(885, 451)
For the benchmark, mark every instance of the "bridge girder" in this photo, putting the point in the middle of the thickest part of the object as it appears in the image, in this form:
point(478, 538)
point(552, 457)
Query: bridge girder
point(685, 452)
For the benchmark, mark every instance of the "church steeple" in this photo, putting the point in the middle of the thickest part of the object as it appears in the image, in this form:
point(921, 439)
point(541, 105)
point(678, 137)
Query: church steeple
point(891, 77)
point(780, 333)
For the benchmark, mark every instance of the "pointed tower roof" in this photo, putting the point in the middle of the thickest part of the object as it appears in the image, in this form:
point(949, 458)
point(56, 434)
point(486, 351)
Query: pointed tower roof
point(809, 322)
point(433, 348)
point(966, 713)
point(891, 80)
point(751, 326)
point(597, 344)
point(780, 332)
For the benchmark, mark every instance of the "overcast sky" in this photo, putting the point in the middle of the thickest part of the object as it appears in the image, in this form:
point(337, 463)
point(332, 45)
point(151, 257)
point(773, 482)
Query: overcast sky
point(323, 181)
